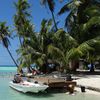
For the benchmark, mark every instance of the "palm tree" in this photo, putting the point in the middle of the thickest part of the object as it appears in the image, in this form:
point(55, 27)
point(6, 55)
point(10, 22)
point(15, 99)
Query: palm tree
point(71, 50)
point(24, 29)
point(83, 20)
point(70, 7)
point(81, 12)
point(4, 37)
point(51, 5)
point(21, 17)
point(62, 43)
point(37, 46)
point(25, 51)
point(87, 50)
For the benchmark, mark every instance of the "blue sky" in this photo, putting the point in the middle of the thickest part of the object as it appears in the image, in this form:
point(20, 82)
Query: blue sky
point(7, 10)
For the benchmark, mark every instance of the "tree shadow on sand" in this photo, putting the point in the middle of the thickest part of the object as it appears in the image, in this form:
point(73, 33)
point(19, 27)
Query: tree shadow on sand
point(86, 73)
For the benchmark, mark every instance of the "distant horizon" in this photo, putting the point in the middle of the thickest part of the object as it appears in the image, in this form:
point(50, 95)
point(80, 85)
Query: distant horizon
point(7, 65)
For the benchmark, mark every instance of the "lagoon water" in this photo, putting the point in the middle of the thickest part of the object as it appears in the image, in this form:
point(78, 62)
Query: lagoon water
point(7, 93)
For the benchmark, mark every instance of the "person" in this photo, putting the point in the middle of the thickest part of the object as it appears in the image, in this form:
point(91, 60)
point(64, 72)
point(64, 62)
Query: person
point(91, 67)
point(35, 71)
point(71, 89)
point(17, 78)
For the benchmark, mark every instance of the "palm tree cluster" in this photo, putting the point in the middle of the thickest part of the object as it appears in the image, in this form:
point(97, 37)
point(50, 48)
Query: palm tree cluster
point(80, 39)
point(83, 24)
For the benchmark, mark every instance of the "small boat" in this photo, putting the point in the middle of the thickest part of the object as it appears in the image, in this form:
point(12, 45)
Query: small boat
point(26, 86)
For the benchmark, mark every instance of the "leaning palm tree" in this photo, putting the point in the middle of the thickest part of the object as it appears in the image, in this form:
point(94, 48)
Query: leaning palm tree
point(4, 37)
point(51, 5)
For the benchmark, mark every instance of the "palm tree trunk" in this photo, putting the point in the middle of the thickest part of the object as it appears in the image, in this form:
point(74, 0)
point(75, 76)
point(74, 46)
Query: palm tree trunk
point(20, 41)
point(52, 16)
point(6, 46)
point(54, 21)
point(12, 57)
point(74, 64)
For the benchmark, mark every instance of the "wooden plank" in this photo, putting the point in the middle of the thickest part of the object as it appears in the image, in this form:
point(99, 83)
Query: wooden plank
point(62, 84)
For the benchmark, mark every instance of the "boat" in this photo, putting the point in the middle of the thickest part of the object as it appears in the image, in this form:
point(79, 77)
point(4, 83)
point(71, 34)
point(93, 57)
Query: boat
point(26, 86)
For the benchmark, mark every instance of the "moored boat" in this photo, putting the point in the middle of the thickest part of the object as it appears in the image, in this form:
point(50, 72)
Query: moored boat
point(26, 86)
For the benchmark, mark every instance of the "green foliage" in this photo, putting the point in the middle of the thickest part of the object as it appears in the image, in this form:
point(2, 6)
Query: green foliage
point(50, 3)
point(4, 34)
point(92, 22)
point(4, 38)
point(82, 39)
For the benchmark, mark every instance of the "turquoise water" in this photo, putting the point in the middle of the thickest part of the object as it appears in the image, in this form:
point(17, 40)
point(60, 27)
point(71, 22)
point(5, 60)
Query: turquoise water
point(8, 69)
point(7, 93)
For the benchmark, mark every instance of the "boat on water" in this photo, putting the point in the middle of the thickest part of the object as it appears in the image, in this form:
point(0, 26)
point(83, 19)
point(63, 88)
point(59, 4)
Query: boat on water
point(26, 86)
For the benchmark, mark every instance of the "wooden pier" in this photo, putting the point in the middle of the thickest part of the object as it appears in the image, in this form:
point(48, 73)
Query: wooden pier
point(57, 83)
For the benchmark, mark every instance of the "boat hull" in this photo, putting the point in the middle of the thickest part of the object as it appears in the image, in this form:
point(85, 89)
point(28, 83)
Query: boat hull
point(28, 87)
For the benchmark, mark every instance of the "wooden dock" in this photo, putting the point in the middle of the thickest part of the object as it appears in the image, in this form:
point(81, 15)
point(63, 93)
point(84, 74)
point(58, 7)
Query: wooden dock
point(57, 83)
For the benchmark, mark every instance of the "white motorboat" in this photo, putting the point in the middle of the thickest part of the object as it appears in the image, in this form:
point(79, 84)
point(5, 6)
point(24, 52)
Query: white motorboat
point(26, 86)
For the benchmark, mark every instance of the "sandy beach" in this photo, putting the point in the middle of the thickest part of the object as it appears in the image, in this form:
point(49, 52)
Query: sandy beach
point(90, 82)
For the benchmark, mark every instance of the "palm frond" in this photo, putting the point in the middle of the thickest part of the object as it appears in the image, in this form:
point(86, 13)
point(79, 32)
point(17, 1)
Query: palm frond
point(93, 21)
point(55, 52)
point(65, 8)
point(50, 4)
point(83, 49)
point(92, 11)
point(68, 38)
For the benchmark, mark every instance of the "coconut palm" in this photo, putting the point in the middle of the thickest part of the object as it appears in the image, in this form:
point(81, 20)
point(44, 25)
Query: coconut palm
point(80, 13)
point(4, 37)
point(51, 5)
point(36, 51)
point(21, 17)
point(71, 50)
point(26, 50)
point(62, 43)
point(83, 19)
point(24, 30)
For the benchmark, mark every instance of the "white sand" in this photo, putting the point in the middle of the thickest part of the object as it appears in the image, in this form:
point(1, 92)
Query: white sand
point(89, 81)
point(87, 91)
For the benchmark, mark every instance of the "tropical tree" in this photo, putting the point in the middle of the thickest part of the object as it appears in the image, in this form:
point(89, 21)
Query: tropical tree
point(62, 43)
point(25, 50)
point(37, 46)
point(83, 20)
point(51, 5)
point(81, 12)
point(21, 18)
point(24, 30)
point(4, 38)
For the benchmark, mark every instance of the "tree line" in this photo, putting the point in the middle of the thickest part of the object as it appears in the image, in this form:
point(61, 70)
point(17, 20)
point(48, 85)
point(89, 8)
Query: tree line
point(78, 39)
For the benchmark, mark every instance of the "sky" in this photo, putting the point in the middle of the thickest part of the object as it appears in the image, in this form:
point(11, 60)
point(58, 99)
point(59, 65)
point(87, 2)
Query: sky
point(38, 12)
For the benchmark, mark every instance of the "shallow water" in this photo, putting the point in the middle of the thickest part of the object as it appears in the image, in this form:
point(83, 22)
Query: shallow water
point(7, 93)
